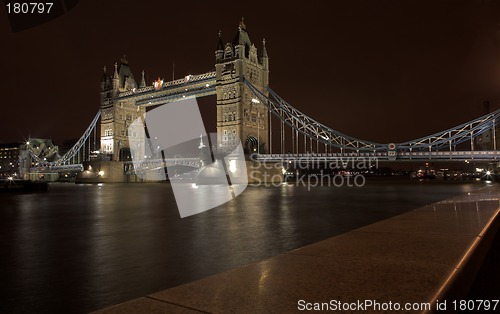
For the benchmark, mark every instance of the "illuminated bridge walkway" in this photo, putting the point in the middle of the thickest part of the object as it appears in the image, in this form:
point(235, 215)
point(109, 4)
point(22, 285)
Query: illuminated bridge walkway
point(404, 156)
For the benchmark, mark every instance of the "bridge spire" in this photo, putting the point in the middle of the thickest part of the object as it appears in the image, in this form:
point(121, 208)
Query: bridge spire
point(104, 79)
point(115, 75)
point(143, 80)
point(265, 57)
point(124, 60)
point(219, 52)
point(242, 25)
point(264, 51)
point(242, 42)
point(116, 81)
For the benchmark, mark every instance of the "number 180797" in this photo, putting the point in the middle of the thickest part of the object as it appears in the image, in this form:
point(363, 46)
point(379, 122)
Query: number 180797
point(29, 7)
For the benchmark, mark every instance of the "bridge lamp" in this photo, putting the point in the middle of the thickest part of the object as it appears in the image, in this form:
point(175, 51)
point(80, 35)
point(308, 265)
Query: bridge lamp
point(255, 101)
point(10, 178)
point(488, 173)
point(208, 85)
point(101, 173)
point(28, 142)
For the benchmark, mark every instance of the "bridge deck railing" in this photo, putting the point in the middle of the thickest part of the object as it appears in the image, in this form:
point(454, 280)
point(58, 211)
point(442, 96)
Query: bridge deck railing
point(454, 155)
point(193, 79)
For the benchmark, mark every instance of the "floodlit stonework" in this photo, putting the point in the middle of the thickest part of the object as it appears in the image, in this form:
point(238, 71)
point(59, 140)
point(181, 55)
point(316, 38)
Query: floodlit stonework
point(240, 116)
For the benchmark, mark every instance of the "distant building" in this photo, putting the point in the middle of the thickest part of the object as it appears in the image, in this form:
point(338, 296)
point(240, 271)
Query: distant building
point(9, 159)
point(34, 152)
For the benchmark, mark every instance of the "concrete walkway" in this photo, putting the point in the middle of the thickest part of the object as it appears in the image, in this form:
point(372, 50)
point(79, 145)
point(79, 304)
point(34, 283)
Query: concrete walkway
point(428, 254)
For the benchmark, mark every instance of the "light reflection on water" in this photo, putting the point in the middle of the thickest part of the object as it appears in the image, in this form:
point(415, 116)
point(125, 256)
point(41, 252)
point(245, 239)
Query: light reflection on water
point(79, 248)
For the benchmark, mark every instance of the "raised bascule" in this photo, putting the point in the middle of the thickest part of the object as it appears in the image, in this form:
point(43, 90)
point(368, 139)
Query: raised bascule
point(246, 108)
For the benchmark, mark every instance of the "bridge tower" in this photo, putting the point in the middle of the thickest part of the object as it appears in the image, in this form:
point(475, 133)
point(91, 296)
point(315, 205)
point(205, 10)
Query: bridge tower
point(239, 114)
point(117, 115)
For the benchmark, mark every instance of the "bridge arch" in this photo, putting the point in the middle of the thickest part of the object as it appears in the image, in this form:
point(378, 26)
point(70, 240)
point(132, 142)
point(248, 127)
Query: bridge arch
point(251, 144)
point(125, 154)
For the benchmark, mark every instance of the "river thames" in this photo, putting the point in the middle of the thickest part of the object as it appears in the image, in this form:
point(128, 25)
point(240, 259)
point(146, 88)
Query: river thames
point(78, 248)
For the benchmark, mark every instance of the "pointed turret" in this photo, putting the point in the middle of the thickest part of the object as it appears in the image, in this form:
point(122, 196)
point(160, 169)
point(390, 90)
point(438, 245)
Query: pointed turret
point(124, 60)
point(116, 81)
point(104, 79)
point(242, 25)
point(125, 75)
point(241, 41)
point(265, 57)
point(264, 51)
point(143, 80)
point(115, 74)
point(219, 52)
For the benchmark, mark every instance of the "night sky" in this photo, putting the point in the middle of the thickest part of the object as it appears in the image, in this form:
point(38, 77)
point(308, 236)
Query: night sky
point(385, 71)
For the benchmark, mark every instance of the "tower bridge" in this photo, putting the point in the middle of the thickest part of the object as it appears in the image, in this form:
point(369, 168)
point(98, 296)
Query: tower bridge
point(238, 117)
point(251, 113)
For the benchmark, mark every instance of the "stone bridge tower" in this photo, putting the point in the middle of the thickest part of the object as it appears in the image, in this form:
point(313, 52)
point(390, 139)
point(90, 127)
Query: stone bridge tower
point(240, 116)
point(117, 114)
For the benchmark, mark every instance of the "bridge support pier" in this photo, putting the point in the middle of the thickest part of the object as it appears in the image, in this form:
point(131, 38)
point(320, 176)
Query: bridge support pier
point(40, 176)
point(99, 171)
point(264, 173)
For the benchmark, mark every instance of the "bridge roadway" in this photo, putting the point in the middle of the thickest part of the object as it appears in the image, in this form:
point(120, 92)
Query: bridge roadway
point(309, 157)
point(143, 164)
point(428, 254)
point(400, 156)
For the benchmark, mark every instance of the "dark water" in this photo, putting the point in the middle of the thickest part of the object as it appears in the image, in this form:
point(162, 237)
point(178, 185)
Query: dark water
point(79, 248)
